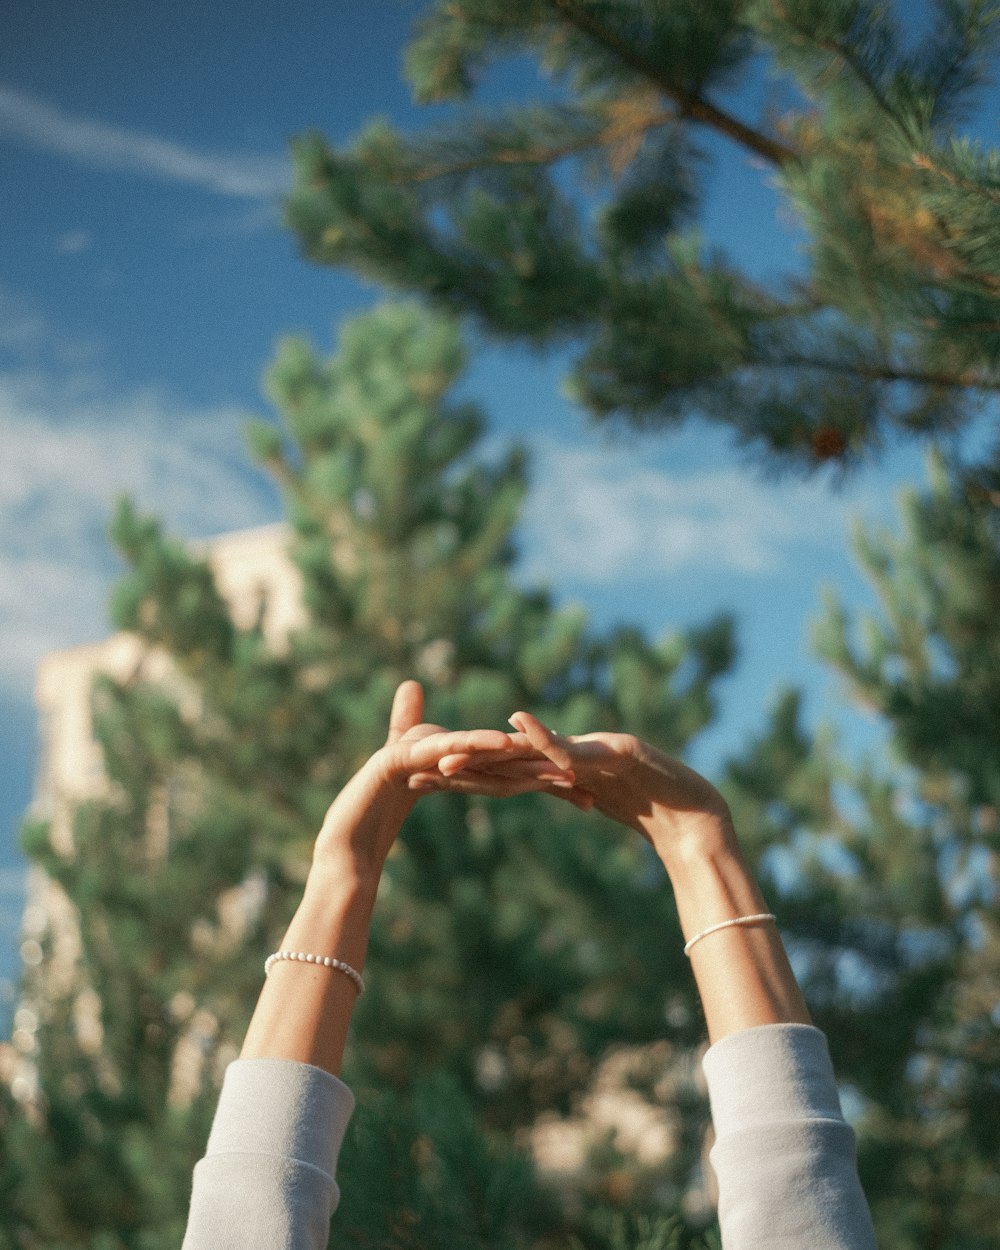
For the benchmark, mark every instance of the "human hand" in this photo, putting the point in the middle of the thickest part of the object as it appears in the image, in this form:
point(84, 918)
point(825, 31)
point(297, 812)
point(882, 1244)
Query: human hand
point(628, 780)
point(362, 823)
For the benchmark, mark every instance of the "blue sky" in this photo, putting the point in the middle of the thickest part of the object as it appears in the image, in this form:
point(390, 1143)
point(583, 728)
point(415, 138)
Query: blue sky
point(145, 277)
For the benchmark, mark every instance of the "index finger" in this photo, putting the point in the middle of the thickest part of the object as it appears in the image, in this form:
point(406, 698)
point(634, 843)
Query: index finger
point(517, 748)
point(426, 752)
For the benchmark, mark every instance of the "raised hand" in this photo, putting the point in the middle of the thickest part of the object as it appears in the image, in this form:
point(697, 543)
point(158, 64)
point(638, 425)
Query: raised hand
point(624, 777)
point(362, 823)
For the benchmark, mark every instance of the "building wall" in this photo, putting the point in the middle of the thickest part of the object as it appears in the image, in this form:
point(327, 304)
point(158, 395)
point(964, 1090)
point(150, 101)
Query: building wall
point(255, 575)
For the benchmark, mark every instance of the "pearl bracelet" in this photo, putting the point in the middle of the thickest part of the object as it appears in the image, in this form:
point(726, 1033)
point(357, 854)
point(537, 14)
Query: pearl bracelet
point(728, 924)
point(327, 961)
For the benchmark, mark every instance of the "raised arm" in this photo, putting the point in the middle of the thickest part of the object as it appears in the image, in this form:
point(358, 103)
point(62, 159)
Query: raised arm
point(742, 971)
point(784, 1156)
point(267, 1179)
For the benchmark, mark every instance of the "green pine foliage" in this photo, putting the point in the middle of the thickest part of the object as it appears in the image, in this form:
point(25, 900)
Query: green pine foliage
point(11, 1126)
point(885, 875)
point(574, 219)
point(514, 945)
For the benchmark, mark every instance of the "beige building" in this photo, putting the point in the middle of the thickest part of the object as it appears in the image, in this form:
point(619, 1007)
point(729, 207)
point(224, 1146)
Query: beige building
point(252, 571)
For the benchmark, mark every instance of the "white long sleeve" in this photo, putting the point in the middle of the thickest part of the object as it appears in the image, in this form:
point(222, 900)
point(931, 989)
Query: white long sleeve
point(784, 1156)
point(267, 1180)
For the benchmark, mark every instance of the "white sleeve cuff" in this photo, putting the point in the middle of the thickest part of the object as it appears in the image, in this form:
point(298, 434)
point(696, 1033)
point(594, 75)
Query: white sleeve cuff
point(770, 1074)
point(279, 1107)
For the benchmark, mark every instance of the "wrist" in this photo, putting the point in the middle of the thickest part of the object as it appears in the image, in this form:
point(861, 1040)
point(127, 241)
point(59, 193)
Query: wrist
point(692, 838)
point(359, 830)
point(712, 881)
point(333, 918)
point(341, 888)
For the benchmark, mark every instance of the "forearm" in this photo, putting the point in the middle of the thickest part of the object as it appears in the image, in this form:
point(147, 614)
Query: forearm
point(784, 1157)
point(743, 975)
point(304, 1009)
point(268, 1174)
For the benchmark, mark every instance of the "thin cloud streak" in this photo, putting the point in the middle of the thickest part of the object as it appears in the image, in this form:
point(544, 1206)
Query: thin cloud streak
point(98, 145)
point(597, 517)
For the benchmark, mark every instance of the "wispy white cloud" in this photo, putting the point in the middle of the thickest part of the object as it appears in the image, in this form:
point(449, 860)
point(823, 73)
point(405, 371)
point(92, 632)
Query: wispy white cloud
point(26, 337)
point(22, 326)
point(598, 515)
point(68, 453)
point(72, 242)
point(31, 120)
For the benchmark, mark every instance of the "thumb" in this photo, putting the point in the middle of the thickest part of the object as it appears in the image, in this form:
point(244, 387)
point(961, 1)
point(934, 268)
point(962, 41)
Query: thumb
point(407, 709)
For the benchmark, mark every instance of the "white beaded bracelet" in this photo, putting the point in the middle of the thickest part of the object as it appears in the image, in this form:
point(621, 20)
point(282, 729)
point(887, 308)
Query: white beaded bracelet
point(327, 961)
point(728, 924)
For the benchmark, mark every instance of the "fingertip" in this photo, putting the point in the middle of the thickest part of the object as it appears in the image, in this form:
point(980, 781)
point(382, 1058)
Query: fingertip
point(527, 724)
point(409, 691)
point(407, 708)
point(448, 765)
point(422, 780)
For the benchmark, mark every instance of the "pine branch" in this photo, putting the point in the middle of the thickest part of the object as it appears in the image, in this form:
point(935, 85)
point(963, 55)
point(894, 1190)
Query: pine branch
point(940, 256)
point(885, 373)
point(845, 53)
point(949, 72)
point(923, 161)
point(984, 494)
point(609, 135)
point(968, 327)
point(974, 43)
point(691, 105)
point(871, 373)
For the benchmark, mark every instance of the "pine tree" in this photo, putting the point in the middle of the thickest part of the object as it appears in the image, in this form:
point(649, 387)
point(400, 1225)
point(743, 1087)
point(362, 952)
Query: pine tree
point(575, 219)
point(515, 944)
point(887, 876)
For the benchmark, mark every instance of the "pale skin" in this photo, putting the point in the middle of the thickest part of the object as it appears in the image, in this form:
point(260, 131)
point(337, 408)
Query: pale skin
point(742, 973)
